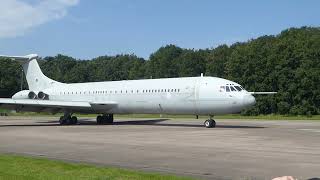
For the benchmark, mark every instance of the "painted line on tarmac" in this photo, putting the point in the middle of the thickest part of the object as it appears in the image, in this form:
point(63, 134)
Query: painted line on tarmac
point(311, 130)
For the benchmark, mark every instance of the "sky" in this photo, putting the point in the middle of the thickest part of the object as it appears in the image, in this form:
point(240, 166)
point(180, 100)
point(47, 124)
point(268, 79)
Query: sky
point(85, 29)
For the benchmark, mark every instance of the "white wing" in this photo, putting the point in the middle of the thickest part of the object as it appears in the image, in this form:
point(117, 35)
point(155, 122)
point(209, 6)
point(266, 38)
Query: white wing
point(55, 106)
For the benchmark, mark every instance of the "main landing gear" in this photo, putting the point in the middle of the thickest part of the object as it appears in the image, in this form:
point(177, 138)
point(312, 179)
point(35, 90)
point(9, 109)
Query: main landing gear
point(105, 119)
point(210, 123)
point(67, 119)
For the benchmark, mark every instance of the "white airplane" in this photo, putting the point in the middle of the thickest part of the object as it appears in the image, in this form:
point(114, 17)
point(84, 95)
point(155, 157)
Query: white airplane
point(189, 95)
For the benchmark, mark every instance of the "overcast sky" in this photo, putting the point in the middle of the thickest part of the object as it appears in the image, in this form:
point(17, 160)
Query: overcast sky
point(88, 28)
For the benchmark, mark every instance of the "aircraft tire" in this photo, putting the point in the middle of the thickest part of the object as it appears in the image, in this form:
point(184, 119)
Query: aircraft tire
point(68, 121)
point(99, 120)
point(74, 120)
point(61, 120)
point(109, 119)
point(210, 123)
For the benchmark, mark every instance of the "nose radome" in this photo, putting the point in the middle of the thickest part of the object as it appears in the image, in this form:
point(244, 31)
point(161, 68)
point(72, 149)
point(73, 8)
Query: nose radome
point(248, 100)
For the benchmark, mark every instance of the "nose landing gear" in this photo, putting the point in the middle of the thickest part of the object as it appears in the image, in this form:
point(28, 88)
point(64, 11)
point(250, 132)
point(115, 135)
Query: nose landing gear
point(210, 123)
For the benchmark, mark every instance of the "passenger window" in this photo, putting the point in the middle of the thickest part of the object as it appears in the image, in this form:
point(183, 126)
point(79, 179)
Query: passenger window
point(227, 89)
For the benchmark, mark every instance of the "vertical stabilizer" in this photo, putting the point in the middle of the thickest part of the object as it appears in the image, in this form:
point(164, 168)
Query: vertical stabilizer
point(37, 81)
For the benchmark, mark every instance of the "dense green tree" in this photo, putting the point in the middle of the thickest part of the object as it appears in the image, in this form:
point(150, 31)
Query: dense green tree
point(288, 63)
point(162, 62)
point(10, 76)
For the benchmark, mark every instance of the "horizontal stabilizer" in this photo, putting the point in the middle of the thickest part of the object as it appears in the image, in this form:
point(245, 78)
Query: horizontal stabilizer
point(21, 58)
point(266, 93)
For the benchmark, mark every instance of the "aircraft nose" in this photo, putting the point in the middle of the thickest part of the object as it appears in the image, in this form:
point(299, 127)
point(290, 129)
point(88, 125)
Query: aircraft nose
point(248, 100)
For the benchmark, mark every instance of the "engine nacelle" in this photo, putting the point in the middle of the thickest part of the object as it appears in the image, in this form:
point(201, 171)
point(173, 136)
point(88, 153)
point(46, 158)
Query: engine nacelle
point(43, 96)
point(25, 94)
point(32, 95)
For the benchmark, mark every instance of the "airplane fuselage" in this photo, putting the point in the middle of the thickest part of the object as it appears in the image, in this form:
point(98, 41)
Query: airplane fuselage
point(191, 95)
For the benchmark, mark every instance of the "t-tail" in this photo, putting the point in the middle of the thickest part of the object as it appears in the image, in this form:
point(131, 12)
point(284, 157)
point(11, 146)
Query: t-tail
point(37, 81)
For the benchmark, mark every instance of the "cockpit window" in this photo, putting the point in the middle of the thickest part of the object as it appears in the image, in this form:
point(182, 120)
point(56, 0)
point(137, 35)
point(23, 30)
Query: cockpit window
point(227, 89)
point(232, 88)
point(238, 88)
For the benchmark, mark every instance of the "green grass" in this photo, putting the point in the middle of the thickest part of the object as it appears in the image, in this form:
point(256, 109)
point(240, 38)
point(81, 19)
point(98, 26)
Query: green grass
point(228, 116)
point(269, 117)
point(18, 167)
point(3, 110)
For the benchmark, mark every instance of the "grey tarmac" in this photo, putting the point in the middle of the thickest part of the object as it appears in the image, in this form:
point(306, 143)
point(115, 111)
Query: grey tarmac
point(235, 149)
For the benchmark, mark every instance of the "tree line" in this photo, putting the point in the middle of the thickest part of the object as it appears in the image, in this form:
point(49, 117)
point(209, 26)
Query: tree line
point(288, 63)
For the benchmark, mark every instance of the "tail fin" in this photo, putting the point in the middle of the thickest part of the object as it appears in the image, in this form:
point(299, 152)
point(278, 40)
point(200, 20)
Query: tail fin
point(37, 81)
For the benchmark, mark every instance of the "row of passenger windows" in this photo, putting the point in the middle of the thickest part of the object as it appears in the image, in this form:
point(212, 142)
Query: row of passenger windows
point(123, 91)
point(230, 88)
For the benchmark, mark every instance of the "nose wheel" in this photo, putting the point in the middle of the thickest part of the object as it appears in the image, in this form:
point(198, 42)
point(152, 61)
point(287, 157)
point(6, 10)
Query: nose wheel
point(210, 123)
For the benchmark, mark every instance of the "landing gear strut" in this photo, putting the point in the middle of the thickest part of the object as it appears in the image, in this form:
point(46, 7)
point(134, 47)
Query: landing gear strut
point(105, 119)
point(210, 123)
point(67, 119)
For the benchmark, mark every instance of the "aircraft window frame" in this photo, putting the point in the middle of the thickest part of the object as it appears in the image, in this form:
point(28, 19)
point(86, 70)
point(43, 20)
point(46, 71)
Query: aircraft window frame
point(228, 89)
